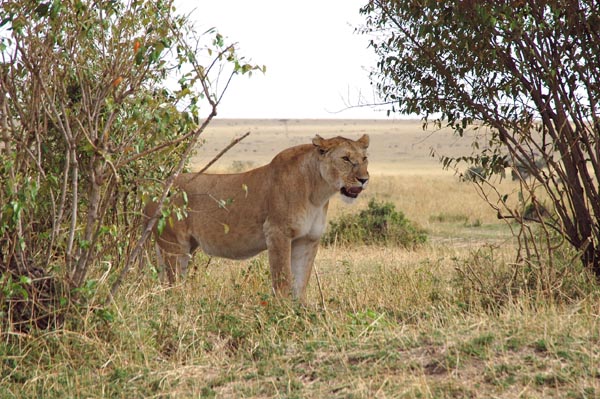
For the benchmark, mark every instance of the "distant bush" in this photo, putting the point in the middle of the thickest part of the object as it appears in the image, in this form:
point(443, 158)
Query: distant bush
point(242, 166)
point(380, 224)
point(523, 170)
point(474, 174)
point(455, 218)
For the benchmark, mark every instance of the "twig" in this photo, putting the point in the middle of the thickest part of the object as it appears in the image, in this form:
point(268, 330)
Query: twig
point(223, 151)
point(320, 289)
point(155, 149)
point(521, 219)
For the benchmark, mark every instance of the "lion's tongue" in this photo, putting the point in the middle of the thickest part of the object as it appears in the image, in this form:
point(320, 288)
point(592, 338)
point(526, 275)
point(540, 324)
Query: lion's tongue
point(352, 191)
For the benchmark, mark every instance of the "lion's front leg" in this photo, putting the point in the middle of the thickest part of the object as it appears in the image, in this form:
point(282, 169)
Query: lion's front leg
point(304, 251)
point(173, 252)
point(173, 262)
point(279, 248)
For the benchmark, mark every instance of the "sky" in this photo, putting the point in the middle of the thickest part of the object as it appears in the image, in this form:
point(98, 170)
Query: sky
point(317, 66)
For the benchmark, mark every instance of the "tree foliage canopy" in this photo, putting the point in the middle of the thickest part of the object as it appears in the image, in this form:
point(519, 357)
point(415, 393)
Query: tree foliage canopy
point(527, 73)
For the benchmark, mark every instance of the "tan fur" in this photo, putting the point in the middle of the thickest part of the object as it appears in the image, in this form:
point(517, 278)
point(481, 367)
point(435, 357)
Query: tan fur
point(280, 207)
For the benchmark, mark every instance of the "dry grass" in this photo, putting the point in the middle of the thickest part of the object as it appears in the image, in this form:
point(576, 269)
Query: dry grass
point(382, 323)
point(391, 326)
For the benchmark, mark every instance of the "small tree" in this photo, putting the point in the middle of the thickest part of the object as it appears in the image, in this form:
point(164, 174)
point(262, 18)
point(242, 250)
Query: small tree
point(100, 103)
point(526, 74)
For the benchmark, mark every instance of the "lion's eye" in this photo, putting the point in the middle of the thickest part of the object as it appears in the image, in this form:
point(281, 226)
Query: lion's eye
point(347, 159)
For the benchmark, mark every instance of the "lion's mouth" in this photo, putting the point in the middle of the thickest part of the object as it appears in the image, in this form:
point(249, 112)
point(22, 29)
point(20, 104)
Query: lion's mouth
point(351, 192)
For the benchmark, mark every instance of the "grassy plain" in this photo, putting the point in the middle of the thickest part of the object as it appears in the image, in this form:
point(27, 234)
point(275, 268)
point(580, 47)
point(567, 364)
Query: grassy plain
point(382, 322)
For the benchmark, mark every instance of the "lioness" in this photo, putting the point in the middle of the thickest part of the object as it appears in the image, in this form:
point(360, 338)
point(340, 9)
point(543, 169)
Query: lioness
point(280, 207)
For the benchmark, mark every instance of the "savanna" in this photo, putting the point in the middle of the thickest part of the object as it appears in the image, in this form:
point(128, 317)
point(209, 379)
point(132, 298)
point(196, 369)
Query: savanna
point(494, 294)
point(431, 321)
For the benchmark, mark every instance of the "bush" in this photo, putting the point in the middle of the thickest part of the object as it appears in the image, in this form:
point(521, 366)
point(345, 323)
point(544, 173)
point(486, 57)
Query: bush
point(91, 125)
point(379, 224)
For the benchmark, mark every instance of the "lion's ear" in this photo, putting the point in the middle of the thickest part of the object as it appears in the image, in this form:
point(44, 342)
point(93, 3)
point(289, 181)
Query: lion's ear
point(364, 141)
point(319, 142)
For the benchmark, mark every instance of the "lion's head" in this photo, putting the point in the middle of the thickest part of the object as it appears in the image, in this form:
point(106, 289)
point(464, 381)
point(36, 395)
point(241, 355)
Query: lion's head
point(344, 164)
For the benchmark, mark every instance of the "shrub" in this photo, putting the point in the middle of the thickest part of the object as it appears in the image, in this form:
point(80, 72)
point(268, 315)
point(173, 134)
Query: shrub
point(486, 280)
point(91, 125)
point(380, 224)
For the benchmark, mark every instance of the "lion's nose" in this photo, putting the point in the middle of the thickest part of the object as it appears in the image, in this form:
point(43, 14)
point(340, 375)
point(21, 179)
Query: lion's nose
point(362, 181)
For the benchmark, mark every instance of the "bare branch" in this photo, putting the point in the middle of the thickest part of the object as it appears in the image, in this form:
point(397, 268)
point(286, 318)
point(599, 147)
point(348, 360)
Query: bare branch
point(223, 151)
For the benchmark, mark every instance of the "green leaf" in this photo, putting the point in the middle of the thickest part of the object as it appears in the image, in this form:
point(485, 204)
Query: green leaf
point(139, 56)
point(42, 9)
point(160, 225)
point(25, 280)
point(219, 40)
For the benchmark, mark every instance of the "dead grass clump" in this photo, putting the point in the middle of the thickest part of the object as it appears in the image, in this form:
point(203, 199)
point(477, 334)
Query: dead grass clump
point(488, 278)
